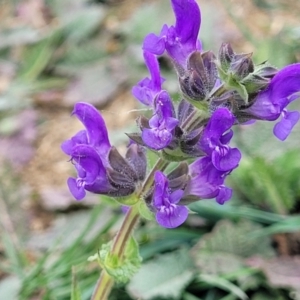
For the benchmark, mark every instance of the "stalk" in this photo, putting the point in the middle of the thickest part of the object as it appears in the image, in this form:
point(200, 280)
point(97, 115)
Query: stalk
point(105, 282)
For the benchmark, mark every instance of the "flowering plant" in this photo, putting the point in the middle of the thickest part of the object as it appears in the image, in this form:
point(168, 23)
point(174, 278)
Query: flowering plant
point(218, 92)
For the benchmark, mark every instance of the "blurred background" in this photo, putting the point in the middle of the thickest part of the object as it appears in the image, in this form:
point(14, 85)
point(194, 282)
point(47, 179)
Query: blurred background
point(54, 53)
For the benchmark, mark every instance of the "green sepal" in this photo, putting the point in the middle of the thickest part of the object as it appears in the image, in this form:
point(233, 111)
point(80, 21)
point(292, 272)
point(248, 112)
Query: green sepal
point(174, 155)
point(231, 82)
point(145, 211)
point(120, 269)
point(201, 104)
point(128, 201)
point(254, 83)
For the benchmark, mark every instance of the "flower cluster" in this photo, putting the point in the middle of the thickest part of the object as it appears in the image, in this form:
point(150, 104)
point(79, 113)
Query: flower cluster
point(218, 92)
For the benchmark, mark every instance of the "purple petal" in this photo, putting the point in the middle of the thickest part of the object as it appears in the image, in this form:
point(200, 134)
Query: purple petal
point(155, 44)
point(147, 89)
point(226, 138)
point(68, 145)
point(76, 190)
point(205, 179)
point(176, 196)
point(153, 67)
point(172, 218)
point(94, 124)
point(226, 161)
point(283, 128)
point(89, 160)
point(160, 184)
point(188, 20)
point(221, 121)
point(155, 139)
point(182, 39)
point(141, 92)
point(224, 195)
point(270, 102)
point(164, 105)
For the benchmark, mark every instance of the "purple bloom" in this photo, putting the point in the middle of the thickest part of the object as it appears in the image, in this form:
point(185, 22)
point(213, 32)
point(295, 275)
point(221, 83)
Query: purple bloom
point(162, 124)
point(147, 89)
point(207, 182)
point(95, 133)
point(91, 173)
point(88, 150)
point(270, 103)
point(215, 138)
point(168, 213)
point(180, 40)
point(100, 167)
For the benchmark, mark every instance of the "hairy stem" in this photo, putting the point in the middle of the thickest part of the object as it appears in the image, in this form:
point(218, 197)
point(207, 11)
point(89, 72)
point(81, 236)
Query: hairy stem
point(106, 282)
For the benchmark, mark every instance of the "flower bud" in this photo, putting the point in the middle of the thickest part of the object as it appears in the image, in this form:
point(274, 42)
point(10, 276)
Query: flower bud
point(241, 66)
point(200, 76)
point(225, 56)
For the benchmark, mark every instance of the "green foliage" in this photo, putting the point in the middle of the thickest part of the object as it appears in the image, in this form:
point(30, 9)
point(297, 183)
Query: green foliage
point(120, 269)
point(257, 180)
point(223, 284)
point(237, 240)
point(75, 293)
point(165, 276)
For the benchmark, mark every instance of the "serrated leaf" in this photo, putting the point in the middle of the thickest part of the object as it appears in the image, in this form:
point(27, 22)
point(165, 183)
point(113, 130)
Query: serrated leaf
point(237, 240)
point(165, 276)
point(120, 269)
point(217, 263)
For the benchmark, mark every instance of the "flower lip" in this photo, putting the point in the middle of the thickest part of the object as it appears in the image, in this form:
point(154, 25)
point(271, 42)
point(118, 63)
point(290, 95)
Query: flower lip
point(179, 40)
point(168, 213)
point(94, 124)
point(147, 89)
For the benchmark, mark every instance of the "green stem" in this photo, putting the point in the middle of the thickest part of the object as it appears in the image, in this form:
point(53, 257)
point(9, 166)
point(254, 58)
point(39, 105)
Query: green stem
point(220, 90)
point(103, 287)
point(161, 165)
point(106, 282)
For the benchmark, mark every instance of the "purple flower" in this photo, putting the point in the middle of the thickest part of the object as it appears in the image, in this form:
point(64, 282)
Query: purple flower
point(100, 167)
point(206, 182)
point(88, 150)
point(215, 138)
point(270, 103)
point(168, 213)
point(180, 40)
point(147, 89)
point(91, 174)
point(95, 133)
point(162, 124)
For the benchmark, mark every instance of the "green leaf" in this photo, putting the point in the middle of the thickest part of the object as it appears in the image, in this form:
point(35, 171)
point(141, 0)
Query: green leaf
point(36, 58)
point(257, 180)
point(212, 211)
point(217, 263)
point(121, 269)
point(75, 293)
point(237, 240)
point(291, 224)
point(223, 284)
point(165, 276)
point(145, 212)
point(82, 22)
